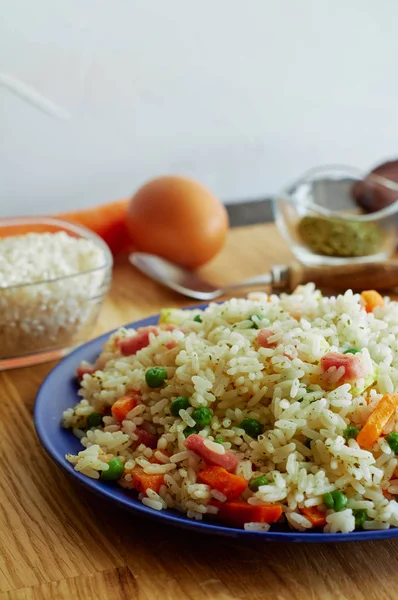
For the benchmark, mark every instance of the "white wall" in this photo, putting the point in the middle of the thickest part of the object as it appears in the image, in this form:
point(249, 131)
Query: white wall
point(242, 94)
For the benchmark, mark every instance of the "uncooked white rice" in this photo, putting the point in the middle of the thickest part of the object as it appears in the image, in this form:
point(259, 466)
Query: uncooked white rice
point(40, 316)
point(217, 358)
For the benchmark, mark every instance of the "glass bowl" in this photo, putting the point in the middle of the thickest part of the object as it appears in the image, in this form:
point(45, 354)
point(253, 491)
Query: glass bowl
point(46, 318)
point(321, 221)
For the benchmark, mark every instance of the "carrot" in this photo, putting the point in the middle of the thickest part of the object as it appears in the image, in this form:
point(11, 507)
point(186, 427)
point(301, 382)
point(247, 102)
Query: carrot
point(379, 418)
point(238, 512)
point(12, 230)
point(372, 299)
point(108, 221)
point(316, 516)
point(123, 405)
point(144, 481)
point(218, 478)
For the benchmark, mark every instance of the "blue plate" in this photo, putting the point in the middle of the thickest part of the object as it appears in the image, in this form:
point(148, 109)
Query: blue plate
point(58, 392)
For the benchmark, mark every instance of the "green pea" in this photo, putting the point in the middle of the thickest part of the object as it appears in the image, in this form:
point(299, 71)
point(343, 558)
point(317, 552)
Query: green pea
point(350, 432)
point(257, 482)
point(351, 351)
point(202, 416)
point(360, 516)
point(198, 319)
point(255, 324)
point(252, 427)
point(115, 470)
point(340, 500)
point(189, 431)
point(94, 420)
point(328, 500)
point(219, 440)
point(392, 440)
point(180, 403)
point(156, 376)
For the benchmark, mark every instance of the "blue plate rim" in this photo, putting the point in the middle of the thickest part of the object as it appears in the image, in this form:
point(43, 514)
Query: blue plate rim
point(169, 517)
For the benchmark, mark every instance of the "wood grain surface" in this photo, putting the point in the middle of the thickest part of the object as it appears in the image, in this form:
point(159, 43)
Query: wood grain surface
point(58, 542)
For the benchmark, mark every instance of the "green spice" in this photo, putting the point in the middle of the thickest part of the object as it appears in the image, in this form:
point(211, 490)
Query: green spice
point(219, 440)
point(350, 432)
point(392, 440)
point(257, 482)
point(351, 351)
point(197, 318)
point(115, 470)
point(180, 403)
point(338, 237)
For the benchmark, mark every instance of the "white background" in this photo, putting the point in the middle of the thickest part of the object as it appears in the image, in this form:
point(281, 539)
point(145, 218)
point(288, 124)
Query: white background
point(241, 94)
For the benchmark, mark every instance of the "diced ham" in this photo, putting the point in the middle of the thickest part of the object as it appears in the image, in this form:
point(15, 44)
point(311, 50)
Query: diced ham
point(211, 452)
point(83, 370)
point(353, 367)
point(144, 437)
point(131, 345)
point(263, 337)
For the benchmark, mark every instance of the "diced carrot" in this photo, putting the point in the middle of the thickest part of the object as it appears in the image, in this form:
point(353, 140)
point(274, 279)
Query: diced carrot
point(144, 481)
point(108, 221)
point(218, 478)
point(123, 405)
point(316, 516)
point(238, 512)
point(379, 418)
point(372, 299)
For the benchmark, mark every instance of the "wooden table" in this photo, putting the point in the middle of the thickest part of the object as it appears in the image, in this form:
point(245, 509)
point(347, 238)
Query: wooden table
point(58, 542)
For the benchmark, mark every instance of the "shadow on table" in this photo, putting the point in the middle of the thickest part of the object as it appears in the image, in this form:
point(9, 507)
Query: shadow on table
point(247, 568)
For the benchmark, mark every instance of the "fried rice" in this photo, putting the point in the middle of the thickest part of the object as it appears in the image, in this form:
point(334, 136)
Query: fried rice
point(288, 384)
